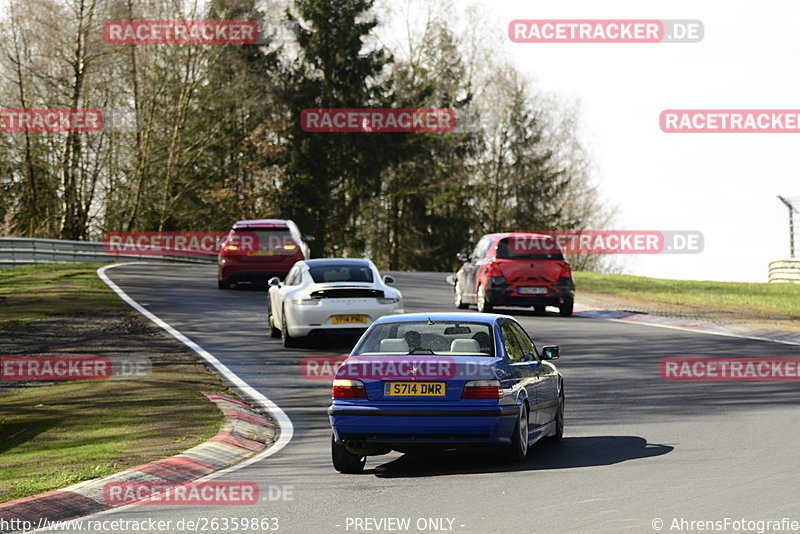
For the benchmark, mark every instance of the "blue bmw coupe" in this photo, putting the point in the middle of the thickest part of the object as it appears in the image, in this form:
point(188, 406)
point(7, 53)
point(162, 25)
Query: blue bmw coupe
point(444, 380)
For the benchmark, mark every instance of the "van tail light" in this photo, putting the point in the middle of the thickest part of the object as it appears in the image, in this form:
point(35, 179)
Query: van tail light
point(565, 278)
point(348, 389)
point(482, 389)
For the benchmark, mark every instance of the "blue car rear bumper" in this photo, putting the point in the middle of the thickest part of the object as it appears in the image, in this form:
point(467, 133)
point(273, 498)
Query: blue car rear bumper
point(423, 426)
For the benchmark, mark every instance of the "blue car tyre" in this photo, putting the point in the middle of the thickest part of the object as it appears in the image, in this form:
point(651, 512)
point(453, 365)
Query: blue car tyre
point(518, 450)
point(559, 420)
point(345, 461)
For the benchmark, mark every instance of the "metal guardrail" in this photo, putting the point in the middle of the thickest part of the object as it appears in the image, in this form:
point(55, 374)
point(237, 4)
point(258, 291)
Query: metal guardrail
point(787, 271)
point(27, 251)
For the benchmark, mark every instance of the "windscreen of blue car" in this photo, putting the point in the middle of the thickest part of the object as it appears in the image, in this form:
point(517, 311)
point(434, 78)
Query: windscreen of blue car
point(341, 273)
point(442, 338)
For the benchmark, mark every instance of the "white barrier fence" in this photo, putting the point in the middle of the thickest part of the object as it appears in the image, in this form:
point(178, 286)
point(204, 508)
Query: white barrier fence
point(787, 271)
point(27, 251)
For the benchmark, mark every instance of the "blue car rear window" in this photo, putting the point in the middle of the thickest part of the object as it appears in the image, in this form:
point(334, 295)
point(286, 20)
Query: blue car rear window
point(445, 338)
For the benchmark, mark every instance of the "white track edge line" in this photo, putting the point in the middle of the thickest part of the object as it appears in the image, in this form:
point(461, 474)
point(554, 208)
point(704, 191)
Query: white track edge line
point(245, 389)
point(242, 387)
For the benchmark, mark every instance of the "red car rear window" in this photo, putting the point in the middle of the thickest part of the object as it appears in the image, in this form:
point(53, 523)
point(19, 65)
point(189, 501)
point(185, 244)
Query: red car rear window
point(528, 248)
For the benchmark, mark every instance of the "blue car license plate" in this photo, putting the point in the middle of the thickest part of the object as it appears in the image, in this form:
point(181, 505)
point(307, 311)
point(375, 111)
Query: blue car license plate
point(414, 389)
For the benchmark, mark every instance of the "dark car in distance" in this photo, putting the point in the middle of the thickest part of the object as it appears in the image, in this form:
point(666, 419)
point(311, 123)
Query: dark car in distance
point(255, 251)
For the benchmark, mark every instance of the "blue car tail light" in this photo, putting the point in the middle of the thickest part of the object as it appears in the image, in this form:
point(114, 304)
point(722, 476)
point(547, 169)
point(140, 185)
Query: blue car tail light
point(482, 389)
point(348, 389)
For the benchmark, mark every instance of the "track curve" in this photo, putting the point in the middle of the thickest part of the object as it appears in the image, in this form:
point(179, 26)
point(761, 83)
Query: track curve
point(636, 448)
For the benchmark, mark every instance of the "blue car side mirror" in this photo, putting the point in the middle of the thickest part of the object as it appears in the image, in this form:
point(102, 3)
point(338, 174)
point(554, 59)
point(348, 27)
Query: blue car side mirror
point(550, 352)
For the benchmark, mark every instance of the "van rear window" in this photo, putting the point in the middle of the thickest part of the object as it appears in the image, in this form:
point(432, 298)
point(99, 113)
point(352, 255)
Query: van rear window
point(528, 248)
point(273, 239)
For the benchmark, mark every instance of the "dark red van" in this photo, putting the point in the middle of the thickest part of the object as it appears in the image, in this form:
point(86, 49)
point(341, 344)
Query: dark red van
point(255, 251)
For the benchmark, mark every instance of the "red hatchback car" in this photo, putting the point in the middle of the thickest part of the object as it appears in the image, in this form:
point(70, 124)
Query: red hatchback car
point(515, 269)
point(255, 251)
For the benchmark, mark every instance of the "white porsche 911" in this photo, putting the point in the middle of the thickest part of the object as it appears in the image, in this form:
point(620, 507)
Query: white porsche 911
point(342, 295)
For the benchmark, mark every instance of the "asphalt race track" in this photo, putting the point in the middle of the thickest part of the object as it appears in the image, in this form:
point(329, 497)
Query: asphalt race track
point(636, 448)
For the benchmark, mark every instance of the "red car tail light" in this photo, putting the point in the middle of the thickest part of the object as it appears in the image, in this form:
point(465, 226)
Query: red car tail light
point(348, 389)
point(494, 270)
point(482, 389)
point(495, 274)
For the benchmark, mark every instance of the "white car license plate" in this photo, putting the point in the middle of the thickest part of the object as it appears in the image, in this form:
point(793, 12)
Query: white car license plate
point(348, 319)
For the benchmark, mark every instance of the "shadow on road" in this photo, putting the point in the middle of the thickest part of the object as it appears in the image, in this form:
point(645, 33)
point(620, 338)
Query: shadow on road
point(568, 453)
point(328, 342)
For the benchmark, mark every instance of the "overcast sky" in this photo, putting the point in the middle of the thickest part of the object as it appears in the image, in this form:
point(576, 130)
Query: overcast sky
point(724, 185)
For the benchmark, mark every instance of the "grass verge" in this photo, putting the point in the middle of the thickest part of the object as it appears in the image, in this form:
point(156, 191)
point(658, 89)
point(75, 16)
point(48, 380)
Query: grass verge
point(56, 434)
point(759, 300)
point(40, 291)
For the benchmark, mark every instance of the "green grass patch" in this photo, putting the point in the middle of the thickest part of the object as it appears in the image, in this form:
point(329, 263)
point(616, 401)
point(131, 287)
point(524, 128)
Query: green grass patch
point(56, 435)
point(774, 299)
point(40, 291)
point(52, 436)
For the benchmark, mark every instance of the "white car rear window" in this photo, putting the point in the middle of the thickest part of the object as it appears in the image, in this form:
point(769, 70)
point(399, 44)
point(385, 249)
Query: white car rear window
point(341, 273)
